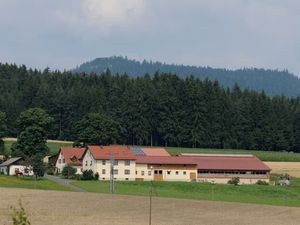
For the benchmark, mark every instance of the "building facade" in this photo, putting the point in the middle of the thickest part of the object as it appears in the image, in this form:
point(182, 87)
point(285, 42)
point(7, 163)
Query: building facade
point(71, 157)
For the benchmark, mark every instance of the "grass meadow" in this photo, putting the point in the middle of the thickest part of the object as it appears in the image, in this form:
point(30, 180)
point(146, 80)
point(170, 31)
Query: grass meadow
point(256, 194)
point(53, 146)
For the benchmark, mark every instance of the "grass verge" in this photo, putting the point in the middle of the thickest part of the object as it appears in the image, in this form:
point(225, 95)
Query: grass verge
point(30, 183)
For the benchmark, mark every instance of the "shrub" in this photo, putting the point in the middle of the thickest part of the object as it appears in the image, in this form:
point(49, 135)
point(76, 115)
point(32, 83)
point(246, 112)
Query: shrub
point(88, 175)
point(234, 181)
point(261, 182)
point(68, 172)
point(78, 177)
point(51, 171)
point(97, 176)
point(19, 216)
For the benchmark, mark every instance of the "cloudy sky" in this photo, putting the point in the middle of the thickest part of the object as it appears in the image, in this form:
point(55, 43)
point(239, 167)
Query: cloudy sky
point(219, 33)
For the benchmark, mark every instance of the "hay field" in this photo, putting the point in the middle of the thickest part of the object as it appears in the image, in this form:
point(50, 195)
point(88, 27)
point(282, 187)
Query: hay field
point(291, 168)
point(67, 208)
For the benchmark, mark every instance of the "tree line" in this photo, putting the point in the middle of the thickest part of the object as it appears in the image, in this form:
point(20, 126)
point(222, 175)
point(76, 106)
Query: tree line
point(160, 110)
point(273, 82)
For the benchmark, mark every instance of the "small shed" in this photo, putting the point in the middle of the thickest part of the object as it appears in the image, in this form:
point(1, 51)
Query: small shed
point(14, 166)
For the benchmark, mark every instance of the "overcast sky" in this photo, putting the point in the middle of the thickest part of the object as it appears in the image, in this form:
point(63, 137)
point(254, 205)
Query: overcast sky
point(219, 33)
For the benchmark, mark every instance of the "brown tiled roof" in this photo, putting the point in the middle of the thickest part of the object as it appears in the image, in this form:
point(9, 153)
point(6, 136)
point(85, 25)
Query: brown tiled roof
point(111, 151)
point(227, 162)
point(155, 152)
point(170, 160)
point(72, 156)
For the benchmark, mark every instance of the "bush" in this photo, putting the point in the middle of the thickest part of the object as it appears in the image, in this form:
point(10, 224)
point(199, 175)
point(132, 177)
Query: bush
point(234, 181)
point(50, 171)
point(88, 175)
point(19, 216)
point(78, 177)
point(261, 182)
point(69, 172)
point(97, 176)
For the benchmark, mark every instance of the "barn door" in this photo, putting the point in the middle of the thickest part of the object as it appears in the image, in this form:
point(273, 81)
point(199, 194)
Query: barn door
point(158, 175)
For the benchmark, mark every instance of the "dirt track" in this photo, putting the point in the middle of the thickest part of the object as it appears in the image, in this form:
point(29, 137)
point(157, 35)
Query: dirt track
point(291, 168)
point(67, 208)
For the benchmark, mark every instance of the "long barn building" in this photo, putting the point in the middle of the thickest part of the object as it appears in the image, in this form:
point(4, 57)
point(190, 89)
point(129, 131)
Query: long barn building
point(157, 164)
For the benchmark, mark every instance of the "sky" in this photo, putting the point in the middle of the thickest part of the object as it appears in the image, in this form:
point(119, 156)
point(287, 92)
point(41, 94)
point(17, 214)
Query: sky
point(62, 34)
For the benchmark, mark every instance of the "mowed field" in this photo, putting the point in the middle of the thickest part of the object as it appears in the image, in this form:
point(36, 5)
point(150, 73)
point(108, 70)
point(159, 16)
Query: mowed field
point(270, 156)
point(70, 208)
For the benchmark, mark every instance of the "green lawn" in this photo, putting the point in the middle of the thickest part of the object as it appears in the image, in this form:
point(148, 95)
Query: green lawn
point(258, 194)
point(263, 155)
point(28, 182)
point(53, 147)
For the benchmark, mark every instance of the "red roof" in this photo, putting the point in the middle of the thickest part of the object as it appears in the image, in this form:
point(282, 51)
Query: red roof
point(155, 152)
point(230, 162)
point(165, 160)
point(115, 151)
point(72, 156)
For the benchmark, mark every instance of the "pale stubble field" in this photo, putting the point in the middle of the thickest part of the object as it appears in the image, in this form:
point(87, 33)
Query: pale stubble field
point(70, 208)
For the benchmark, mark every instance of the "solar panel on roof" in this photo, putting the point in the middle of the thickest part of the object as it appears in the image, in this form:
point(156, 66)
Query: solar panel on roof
point(137, 151)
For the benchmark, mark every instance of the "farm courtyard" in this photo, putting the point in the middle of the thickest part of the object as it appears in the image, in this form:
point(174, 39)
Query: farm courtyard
point(65, 208)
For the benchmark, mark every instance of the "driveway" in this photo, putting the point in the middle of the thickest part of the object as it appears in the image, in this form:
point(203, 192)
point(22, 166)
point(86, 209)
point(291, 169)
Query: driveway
point(64, 182)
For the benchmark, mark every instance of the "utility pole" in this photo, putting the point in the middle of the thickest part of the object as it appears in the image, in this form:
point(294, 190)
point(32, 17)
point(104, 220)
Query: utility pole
point(150, 198)
point(112, 181)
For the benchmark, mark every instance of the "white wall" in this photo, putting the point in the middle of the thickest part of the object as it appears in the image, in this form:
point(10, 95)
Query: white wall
point(59, 163)
point(121, 167)
point(22, 169)
point(89, 163)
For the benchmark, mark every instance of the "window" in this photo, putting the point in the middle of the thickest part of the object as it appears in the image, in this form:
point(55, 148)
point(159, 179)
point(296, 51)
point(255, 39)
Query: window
point(86, 163)
point(103, 171)
point(149, 172)
point(184, 172)
point(127, 172)
point(169, 172)
point(115, 162)
point(127, 162)
point(135, 172)
point(115, 172)
point(103, 162)
point(59, 161)
point(177, 172)
point(64, 160)
point(143, 173)
point(160, 172)
point(91, 163)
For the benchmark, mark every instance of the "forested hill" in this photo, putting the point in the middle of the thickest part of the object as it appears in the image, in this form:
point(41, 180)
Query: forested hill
point(164, 110)
point(273, 82)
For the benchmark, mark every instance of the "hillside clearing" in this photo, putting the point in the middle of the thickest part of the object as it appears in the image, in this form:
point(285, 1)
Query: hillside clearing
point(65, 208)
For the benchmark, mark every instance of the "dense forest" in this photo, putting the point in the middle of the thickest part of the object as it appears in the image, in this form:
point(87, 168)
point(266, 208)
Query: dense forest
point(273, 82)
point(162, 109)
